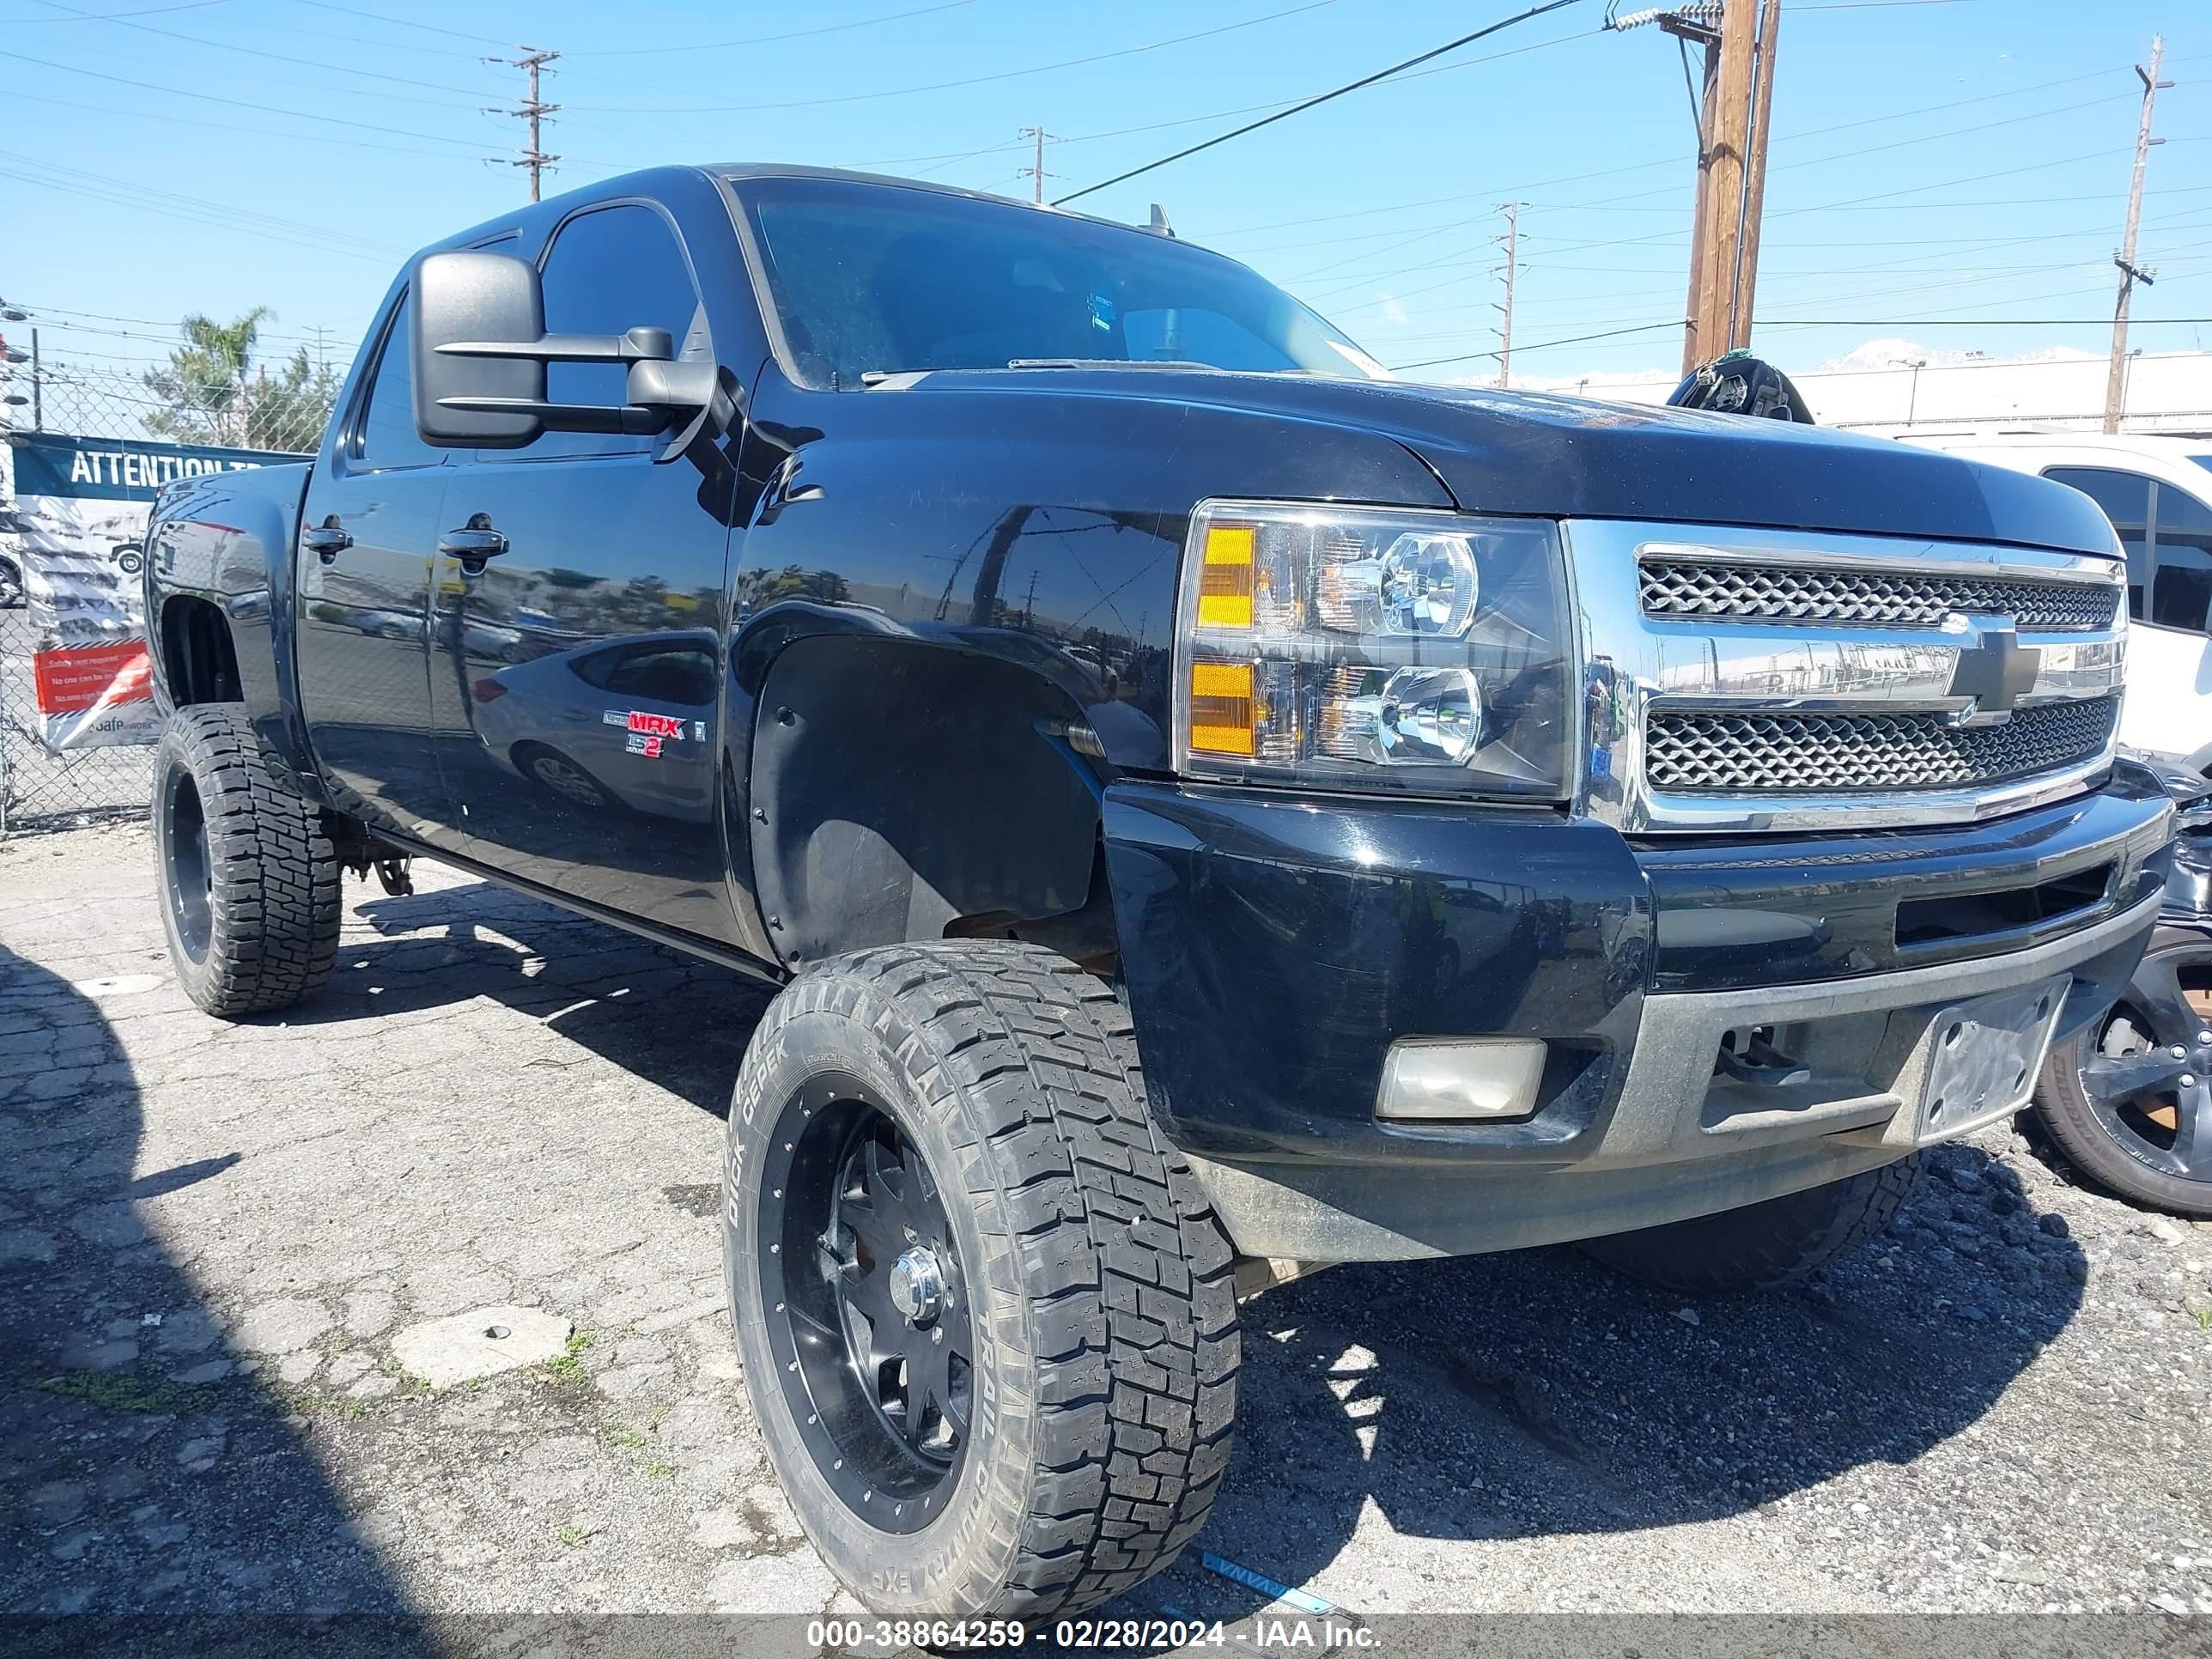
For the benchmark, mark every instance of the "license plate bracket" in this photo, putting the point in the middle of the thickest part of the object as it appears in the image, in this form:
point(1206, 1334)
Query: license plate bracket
point(1983, 1057)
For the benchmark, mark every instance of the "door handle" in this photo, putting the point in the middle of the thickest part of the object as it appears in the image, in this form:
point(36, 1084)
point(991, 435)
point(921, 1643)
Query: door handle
point(472, 544)
point(326, 540)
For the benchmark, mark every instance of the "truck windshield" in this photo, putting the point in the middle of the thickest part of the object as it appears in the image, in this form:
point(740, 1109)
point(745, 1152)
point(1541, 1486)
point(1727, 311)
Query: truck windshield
point(874, 279)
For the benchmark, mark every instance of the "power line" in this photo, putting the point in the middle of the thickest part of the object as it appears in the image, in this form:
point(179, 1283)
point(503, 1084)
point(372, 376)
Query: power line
point(115, 16)
point(398, 22)
point(1675, 160)
point(241, 103)
point(1803, 322)
point(770, 40)
point(1320, 98)
point(969, 80)
point(283, 57)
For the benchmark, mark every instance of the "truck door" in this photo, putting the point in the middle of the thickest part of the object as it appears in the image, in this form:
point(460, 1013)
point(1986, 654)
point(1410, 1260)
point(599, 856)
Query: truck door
point(578, 614)
point(367, 529)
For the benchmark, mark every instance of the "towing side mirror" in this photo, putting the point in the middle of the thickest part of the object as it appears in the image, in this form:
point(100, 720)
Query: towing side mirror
point(468, 401)
point(480, 352)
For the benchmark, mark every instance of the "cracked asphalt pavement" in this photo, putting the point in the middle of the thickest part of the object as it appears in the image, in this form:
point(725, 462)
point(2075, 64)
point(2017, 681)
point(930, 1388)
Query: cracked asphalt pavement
point(218, 1245)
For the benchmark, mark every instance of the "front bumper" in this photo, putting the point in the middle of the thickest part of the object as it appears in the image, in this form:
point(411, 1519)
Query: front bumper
point(1274, 946)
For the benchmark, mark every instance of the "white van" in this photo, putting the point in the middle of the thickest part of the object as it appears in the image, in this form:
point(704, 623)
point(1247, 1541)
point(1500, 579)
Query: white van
point(2158, 493)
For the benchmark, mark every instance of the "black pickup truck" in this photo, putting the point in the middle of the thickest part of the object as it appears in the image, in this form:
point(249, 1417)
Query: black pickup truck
point(1210, 808)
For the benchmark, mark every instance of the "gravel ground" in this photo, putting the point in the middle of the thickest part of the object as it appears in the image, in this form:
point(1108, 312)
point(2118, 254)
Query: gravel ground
point(216, 1240)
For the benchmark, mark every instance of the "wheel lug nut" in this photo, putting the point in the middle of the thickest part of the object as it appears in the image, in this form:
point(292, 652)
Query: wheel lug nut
point(2188, 1081)
point(2178, 1052)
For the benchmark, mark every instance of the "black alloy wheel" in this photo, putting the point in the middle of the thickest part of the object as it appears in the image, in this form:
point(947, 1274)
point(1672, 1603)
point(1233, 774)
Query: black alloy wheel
point(187, 871)
point(2129, 1100)
point(868, 1305)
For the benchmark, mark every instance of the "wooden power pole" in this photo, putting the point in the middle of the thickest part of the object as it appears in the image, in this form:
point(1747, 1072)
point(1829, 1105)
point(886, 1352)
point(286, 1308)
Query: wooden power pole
point(1726, 147)
point(1755, 188)
point(2130, 273)
point(1734, 106)
point(532, 110)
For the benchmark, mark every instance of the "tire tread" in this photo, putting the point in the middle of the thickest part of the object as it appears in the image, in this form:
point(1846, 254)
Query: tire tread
point(277, 902)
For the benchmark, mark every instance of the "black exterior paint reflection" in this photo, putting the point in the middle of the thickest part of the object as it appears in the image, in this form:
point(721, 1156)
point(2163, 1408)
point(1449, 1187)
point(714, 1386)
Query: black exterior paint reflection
point(1055, 522)
point(1274, 946)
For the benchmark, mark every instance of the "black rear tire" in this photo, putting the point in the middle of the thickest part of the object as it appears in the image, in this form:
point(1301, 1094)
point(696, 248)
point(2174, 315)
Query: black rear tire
point(250, 895)
point(1764, 1246)
point(1076, 1258)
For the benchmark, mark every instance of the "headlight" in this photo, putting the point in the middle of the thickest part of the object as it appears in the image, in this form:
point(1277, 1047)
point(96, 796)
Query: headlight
point(1373, 648)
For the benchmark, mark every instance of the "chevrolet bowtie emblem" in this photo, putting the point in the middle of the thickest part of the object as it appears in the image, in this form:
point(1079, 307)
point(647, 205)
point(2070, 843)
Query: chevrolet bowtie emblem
point(1993, 673)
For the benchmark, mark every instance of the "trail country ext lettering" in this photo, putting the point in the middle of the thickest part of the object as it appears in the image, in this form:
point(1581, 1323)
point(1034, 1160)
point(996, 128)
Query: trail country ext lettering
point(1210, 808)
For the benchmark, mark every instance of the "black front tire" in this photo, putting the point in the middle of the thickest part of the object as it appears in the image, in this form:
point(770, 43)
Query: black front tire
point(250, 896)
point(1093, 1285)
point(1764, 1246)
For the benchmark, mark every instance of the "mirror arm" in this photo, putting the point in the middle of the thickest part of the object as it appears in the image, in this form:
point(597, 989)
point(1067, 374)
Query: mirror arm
point(639, 345)
point(630, 419)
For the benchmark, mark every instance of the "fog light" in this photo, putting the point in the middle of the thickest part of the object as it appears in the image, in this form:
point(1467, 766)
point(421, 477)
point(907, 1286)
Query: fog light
point(1456, 1080)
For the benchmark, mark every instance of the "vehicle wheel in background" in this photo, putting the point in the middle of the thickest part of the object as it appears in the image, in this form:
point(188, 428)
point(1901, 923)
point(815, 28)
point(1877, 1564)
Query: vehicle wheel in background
point(2129, 1101)
point(986, 1316)
point(550, 769)
point(249, 878)
point(1764, 1246)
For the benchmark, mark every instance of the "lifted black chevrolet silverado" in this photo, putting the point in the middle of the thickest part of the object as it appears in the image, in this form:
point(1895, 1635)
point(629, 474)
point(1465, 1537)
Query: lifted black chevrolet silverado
point(1045, 650)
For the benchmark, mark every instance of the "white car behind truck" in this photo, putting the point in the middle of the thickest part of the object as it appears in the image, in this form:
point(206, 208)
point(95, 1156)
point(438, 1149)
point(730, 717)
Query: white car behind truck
point(2158, 493)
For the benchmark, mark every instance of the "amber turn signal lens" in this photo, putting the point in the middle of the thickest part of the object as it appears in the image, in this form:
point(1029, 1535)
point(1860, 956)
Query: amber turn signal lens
point(1225, 583)
point(1221, 721)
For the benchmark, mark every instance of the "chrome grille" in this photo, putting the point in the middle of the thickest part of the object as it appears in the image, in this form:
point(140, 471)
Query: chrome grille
point(1699, 752)
point(1892, 598)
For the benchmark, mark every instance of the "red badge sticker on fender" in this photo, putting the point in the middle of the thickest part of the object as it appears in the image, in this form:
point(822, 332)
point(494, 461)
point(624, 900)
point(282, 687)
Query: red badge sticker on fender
point(658, 725)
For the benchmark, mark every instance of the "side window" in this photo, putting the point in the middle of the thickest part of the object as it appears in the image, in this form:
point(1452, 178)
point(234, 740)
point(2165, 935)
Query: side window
point(609, 271)
point(2182, 591)
point(678, 674)
point(385, 437)
point(2125, 497)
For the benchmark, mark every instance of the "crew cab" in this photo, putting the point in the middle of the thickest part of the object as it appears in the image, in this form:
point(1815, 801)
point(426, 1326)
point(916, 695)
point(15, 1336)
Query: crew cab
point(1209, 807)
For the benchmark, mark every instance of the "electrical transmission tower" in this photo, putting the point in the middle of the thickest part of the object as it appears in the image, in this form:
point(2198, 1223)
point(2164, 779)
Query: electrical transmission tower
point(2131, 273)
point(532, 62)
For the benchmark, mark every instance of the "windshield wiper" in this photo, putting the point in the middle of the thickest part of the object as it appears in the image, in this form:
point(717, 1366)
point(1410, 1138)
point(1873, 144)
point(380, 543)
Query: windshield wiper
point(1105, 362)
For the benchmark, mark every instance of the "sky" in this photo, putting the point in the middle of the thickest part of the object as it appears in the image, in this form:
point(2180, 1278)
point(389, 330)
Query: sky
point(1942, 170)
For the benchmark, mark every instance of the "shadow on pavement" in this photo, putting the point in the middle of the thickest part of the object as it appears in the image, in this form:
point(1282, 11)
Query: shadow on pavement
point(141, 1473)
point(1513, 1395)
point(1537, 1392)
point(669, 1019)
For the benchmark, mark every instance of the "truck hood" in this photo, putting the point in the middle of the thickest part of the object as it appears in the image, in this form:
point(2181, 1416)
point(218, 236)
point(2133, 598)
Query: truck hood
point(1531, 454)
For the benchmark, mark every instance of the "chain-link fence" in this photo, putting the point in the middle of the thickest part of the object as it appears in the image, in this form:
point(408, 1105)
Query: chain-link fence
point(92, 545)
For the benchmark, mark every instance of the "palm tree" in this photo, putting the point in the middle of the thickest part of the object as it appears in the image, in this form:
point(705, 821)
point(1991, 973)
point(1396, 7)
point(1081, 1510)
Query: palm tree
point(215, 393)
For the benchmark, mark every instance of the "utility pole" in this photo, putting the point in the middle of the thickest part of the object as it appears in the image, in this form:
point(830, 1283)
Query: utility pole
point(1512, 242)
point(1700, 219)
point(1733, 103)
point(1726, 146)
point(2130, 273)
point(1754, 189)
point(1037, 172)
point(532, 110)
